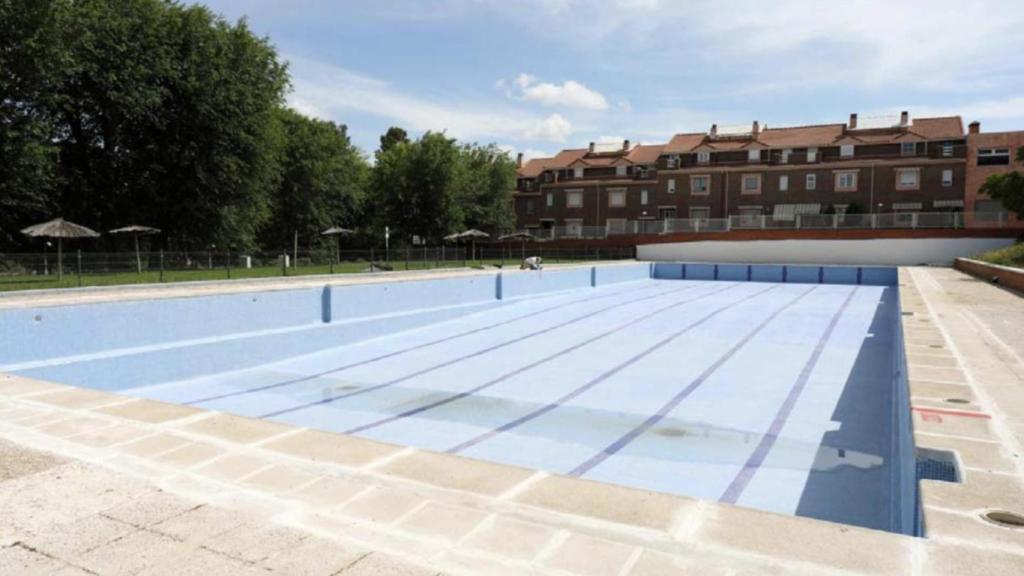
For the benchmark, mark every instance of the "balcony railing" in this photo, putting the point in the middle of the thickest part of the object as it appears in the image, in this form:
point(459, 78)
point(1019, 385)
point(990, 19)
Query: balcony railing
point(885, 221)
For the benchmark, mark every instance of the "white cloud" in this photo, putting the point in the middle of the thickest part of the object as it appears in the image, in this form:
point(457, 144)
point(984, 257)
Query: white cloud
point(947, 45)
point(570, 94)
point(332, 92)
point(554, 128)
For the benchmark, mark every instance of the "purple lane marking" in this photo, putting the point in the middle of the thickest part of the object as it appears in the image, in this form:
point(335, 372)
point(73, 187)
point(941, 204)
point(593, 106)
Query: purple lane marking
point(633, 434)
point(481, 352)
point(530, 366)
point(601, 378)
point(399, 352)
point(757, 457)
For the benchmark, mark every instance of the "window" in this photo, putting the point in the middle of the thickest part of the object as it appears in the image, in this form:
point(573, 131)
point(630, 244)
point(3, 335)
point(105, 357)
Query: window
point(751, 210)
point(551, 199)
point(616, 198)
point(699, 184)
point(993, 156)
point(700, 212)
point(751, 184)
point(548, 176)
point(783, 183)
point(841, 209)
point(754, 155)
point(671, 185)
point(530, 208)
point(812, 154)
point(703, 157)
point(672, 161)
point(620, 170)
point(666, 213)
point(529, 183)
point(846, 150)
point(616, 225)
point(643, 197)
point(908, 148)
point(640, 171)
point(908, 178)
point(577, 172)
point(574, 199)
point(947, 178)
point(811, 182)
point(846, 181)
point(785, 155)
point(947, 150)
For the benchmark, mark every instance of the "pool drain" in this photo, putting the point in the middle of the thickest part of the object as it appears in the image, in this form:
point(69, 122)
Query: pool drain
point(933, 464)
point(1004, 518)
point(957, 401)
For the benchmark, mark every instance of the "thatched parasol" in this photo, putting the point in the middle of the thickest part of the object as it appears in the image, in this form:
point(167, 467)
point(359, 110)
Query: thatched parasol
point(136, 230)
point(337, 232)
point(471, 234)
point(523, 236)
point(60, 229)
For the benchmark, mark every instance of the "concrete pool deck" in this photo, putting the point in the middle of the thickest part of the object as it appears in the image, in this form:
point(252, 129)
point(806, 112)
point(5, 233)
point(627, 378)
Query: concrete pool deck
point(89, 480)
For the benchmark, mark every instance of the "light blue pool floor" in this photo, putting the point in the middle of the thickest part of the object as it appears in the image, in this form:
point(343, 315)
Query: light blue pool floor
point(773, 396)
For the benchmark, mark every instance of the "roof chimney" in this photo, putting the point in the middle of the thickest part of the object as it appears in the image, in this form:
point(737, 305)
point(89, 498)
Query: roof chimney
point(904, 118)
point(714, 130)
point(756, 129)
point(625, 145)
point(852, 125)
point(974, 127)
point(519, 160)
point(591, 147)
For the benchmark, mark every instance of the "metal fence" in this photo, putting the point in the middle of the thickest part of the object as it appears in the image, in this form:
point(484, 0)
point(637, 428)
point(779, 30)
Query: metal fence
point(884, 221)
point(81, 267)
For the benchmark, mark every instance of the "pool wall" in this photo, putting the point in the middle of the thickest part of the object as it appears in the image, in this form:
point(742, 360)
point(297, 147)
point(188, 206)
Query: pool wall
point(152, 341)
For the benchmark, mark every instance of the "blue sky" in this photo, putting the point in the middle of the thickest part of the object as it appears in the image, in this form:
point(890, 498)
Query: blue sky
point(537, 76)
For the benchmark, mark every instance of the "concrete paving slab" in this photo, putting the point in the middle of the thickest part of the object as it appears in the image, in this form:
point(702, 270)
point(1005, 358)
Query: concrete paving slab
point(513, 538)
point(325, 447)
point(457, 473)
point(237, 428)
point(443, 522)
point(607, 502)
point(233, 466)
point(279, 479)
point(382, 505)
point(152, 411)
point(579, 554)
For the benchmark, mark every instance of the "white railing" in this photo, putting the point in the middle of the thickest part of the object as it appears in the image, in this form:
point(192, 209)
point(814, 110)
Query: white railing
point(888, 220)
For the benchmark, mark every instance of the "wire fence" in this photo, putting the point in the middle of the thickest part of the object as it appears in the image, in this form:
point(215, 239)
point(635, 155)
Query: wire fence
point(20, 271)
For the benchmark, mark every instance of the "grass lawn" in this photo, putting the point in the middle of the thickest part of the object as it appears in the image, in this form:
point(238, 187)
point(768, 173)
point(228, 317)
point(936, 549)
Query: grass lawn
point(1009, 256)
point(38, 282)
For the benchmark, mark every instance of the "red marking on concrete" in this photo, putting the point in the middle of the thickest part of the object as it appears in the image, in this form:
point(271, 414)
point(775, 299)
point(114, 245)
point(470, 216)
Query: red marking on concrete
point(929, 413)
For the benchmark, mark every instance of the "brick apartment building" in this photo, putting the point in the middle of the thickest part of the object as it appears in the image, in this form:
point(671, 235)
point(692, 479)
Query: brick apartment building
point(882, 166)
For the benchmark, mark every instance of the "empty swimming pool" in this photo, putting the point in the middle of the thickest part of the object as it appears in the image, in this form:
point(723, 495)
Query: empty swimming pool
point(776, 388)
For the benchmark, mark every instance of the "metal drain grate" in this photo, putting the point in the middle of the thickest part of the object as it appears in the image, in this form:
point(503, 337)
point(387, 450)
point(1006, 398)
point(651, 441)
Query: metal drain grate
point(937, 465)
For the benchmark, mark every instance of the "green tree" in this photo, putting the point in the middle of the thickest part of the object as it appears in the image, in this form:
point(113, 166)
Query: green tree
point(414, 187)
point(1007, 188)
point(28, 158)
point(486, 179)
point(160, 114)
point(323, 179)
point(393, 137)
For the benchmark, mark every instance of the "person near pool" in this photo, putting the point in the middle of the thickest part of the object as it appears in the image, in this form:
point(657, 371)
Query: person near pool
point(532, 263)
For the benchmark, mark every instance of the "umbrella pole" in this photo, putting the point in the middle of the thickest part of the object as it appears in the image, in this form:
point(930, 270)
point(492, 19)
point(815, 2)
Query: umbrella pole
point(60, 260)
point(138, 258)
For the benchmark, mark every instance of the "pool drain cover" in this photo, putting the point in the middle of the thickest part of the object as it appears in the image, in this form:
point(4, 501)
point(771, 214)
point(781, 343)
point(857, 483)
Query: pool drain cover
point(1004, 518)
point(937, 465)
point(957, 401)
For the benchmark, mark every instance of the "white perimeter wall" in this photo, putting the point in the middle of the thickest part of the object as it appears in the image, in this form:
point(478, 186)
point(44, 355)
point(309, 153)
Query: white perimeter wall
point(884, 251)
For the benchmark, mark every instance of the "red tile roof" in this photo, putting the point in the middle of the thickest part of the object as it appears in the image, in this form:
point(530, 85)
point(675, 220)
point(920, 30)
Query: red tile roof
point(949, 127)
